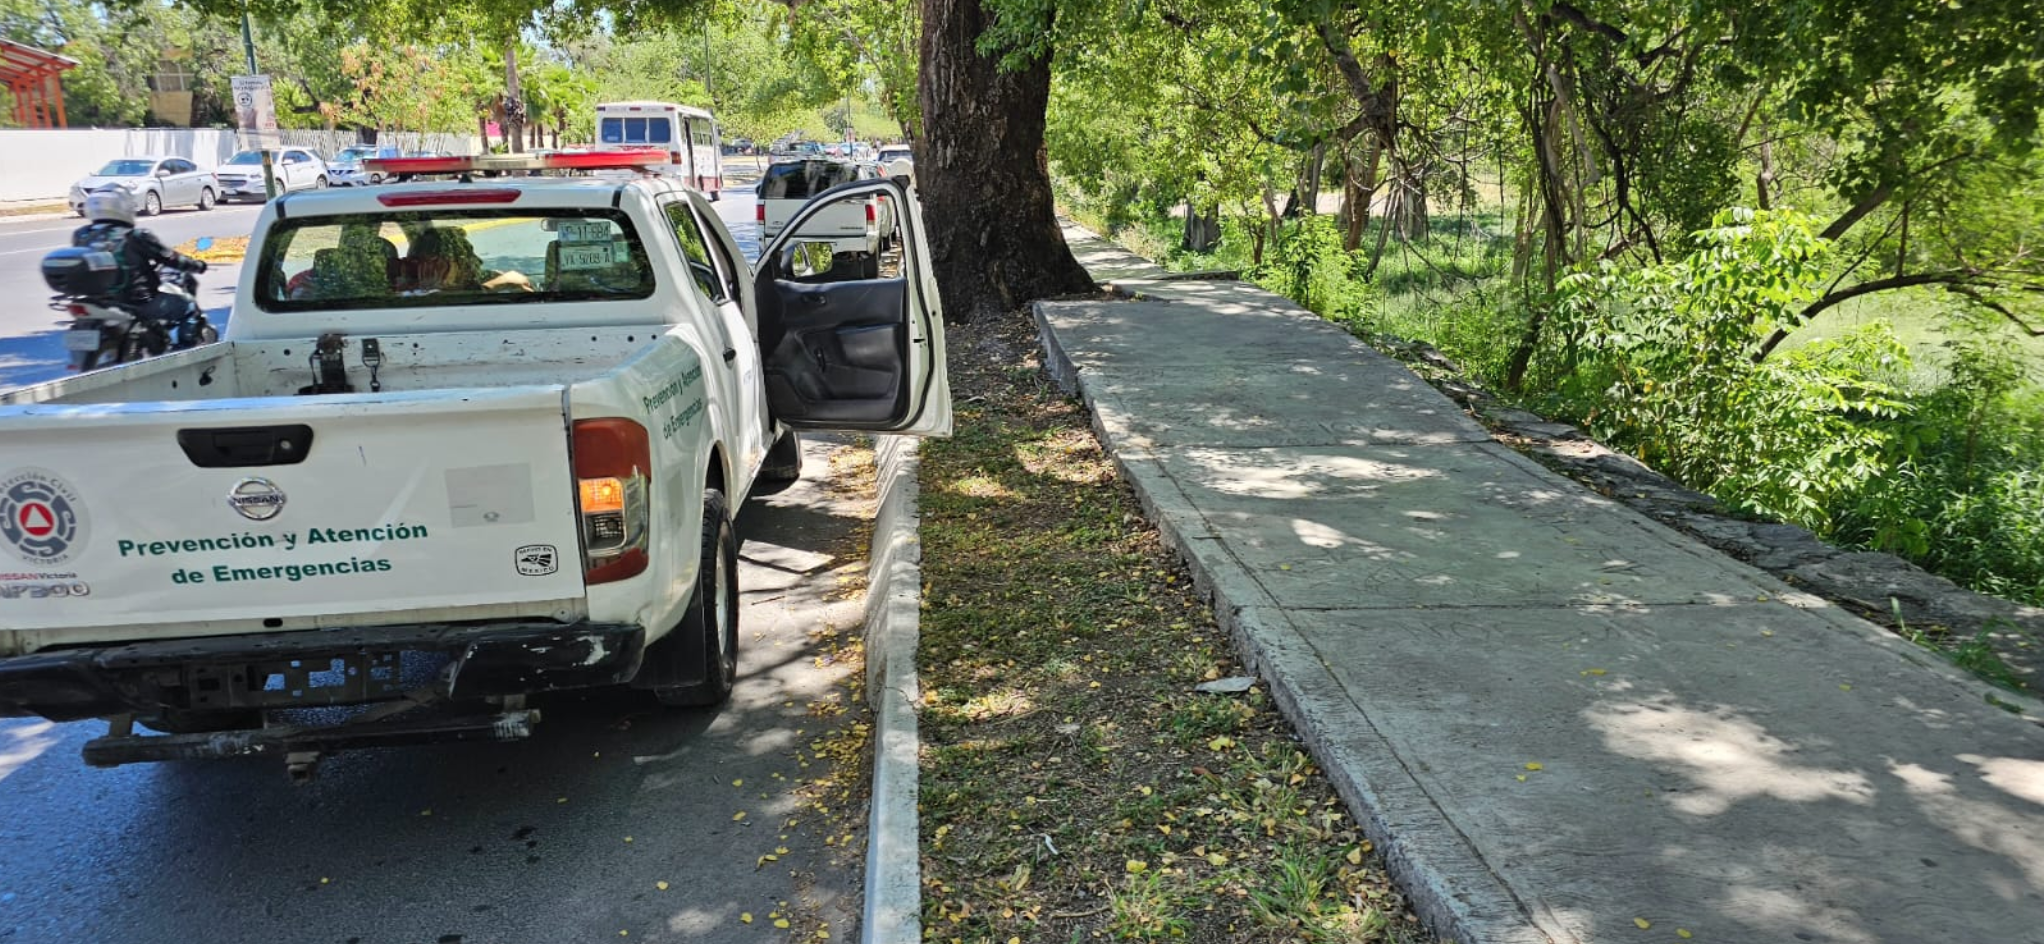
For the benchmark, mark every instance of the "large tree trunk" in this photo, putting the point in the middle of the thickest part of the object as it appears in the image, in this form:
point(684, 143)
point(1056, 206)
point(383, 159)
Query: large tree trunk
point(1202, 227)
point(514, 100)
point(983, 175)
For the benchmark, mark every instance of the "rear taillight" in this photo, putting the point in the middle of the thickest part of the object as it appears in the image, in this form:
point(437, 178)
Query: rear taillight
point(613, 459)
point(871, 216)
point(759, 211)
point(78, 311)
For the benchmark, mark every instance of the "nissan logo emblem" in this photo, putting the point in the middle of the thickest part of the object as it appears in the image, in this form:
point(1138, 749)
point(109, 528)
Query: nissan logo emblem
point(256, 499)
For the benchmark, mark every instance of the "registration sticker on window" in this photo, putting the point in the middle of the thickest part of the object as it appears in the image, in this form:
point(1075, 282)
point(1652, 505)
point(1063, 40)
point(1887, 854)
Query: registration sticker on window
point(584, 231)
point(595, 256)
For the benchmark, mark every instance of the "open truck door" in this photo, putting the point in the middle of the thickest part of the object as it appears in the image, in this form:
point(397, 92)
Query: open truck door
point(850, 326)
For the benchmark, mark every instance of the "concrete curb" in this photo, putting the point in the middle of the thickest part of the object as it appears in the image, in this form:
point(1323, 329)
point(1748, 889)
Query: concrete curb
point(893, 910)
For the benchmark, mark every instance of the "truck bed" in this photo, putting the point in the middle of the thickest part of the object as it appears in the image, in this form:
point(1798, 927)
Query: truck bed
point(437, 361)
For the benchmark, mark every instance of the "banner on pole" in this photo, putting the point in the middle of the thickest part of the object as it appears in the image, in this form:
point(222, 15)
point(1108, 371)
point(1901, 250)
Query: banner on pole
point(255, 109)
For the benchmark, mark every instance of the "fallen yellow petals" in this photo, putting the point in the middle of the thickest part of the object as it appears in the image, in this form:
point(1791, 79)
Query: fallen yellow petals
point(1137, 866)
point(735, 817)
point(1643, 923)
point(1533, 765)
point(660, 885)
point(1683, 933)
point(781, 923)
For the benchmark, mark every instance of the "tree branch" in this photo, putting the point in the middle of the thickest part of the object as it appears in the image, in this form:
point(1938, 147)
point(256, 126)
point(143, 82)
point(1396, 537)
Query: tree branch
point(1948, 278)
point(1997, 307)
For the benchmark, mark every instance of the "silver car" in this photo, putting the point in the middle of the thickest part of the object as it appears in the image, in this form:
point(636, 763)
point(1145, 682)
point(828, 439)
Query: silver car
point(151, 183)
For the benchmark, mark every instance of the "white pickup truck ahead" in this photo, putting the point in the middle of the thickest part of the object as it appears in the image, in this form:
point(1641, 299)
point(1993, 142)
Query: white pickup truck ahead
point(463, 442)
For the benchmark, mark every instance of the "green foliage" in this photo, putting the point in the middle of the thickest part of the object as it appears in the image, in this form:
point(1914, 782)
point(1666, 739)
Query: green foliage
point(1967, 496)
point(1309, 266)
point(1659, 361)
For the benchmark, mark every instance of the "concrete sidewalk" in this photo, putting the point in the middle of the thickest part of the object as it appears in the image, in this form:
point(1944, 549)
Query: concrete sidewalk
point(1559, 720)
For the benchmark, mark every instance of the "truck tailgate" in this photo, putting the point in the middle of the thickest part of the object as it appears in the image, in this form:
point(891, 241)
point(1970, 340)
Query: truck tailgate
point(177, 519)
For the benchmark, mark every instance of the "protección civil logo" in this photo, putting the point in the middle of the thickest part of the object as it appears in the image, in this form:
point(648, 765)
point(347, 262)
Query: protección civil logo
point(41, 516)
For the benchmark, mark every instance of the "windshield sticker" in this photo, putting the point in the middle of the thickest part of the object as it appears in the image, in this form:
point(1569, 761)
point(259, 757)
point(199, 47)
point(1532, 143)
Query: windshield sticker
point(583, 231)
point(593, 256)
point(41, 517)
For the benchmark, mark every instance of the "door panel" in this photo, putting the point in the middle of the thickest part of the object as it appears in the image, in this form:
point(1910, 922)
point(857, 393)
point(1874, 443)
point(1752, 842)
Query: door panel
point(853, 339)
point(840, 352)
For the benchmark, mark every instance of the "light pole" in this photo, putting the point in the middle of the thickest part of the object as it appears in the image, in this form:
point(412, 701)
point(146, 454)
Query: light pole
point(248, 47)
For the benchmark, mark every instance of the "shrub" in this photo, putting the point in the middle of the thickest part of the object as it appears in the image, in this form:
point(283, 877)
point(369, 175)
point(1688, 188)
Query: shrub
point(1659, 361)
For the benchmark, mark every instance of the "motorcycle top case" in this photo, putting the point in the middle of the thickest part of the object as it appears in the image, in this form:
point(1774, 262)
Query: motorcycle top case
point(82, 272)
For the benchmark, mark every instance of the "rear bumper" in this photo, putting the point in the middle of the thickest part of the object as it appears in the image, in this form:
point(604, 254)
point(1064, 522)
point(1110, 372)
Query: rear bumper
point(315, 668)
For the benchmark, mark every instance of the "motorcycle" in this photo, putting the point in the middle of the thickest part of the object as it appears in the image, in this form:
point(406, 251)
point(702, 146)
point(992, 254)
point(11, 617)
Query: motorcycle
point(105, 330)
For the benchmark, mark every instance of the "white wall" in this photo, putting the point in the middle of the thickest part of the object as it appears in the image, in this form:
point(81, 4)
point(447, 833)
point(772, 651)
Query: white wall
point(42, 164)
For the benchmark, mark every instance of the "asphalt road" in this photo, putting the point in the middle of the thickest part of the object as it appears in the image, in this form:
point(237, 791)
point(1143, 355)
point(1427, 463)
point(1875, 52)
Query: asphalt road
point(564, 837)
point(568, 836)
point(31, 342)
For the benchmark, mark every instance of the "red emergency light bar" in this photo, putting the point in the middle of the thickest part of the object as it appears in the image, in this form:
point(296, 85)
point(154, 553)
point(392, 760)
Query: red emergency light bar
point(492, 164)
point(408, 197)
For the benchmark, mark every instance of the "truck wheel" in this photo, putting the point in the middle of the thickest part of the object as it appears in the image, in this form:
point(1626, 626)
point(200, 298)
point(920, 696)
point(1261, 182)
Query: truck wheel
point(709, 630)
point(190, 721)
point(783, 460)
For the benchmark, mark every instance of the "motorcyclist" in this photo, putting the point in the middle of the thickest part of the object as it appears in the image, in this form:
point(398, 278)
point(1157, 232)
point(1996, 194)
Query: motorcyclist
point(141, 256)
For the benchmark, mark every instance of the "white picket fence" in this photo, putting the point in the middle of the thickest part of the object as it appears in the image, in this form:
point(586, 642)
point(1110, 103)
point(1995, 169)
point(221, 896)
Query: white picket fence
point(42, 164)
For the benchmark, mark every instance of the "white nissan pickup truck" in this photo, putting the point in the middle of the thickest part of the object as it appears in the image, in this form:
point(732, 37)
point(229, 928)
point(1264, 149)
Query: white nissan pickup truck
point(462, 443)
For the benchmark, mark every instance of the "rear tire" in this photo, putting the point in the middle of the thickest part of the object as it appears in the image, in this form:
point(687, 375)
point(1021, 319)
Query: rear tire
point(319, 184)
point(709, 630)
point(783, 459)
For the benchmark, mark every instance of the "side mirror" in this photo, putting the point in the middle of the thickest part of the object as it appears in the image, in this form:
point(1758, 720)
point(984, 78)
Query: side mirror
point(808, 260)
point(163, 172)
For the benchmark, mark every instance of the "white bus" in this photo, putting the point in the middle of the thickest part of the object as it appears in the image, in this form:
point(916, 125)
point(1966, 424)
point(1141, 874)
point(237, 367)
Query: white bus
point(688, 134)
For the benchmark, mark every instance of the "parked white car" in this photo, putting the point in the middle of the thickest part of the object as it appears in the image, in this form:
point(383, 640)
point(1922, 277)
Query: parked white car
point(241, 178)
point(152, 183)
point(346, 169)
point(858, 233)
point(497, 430)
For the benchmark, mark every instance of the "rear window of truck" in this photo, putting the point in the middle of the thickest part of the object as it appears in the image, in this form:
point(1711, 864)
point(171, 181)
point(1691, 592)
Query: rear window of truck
point(434, 258)
point(800, 180)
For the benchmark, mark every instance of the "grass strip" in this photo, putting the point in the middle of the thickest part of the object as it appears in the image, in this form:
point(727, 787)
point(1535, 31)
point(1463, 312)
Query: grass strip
point(1075, 786)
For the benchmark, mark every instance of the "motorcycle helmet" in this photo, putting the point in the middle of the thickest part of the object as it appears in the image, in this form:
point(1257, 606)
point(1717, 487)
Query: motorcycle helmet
point(109, 206)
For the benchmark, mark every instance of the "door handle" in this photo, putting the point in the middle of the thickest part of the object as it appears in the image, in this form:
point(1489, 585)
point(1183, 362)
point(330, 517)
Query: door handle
point(730, 354)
